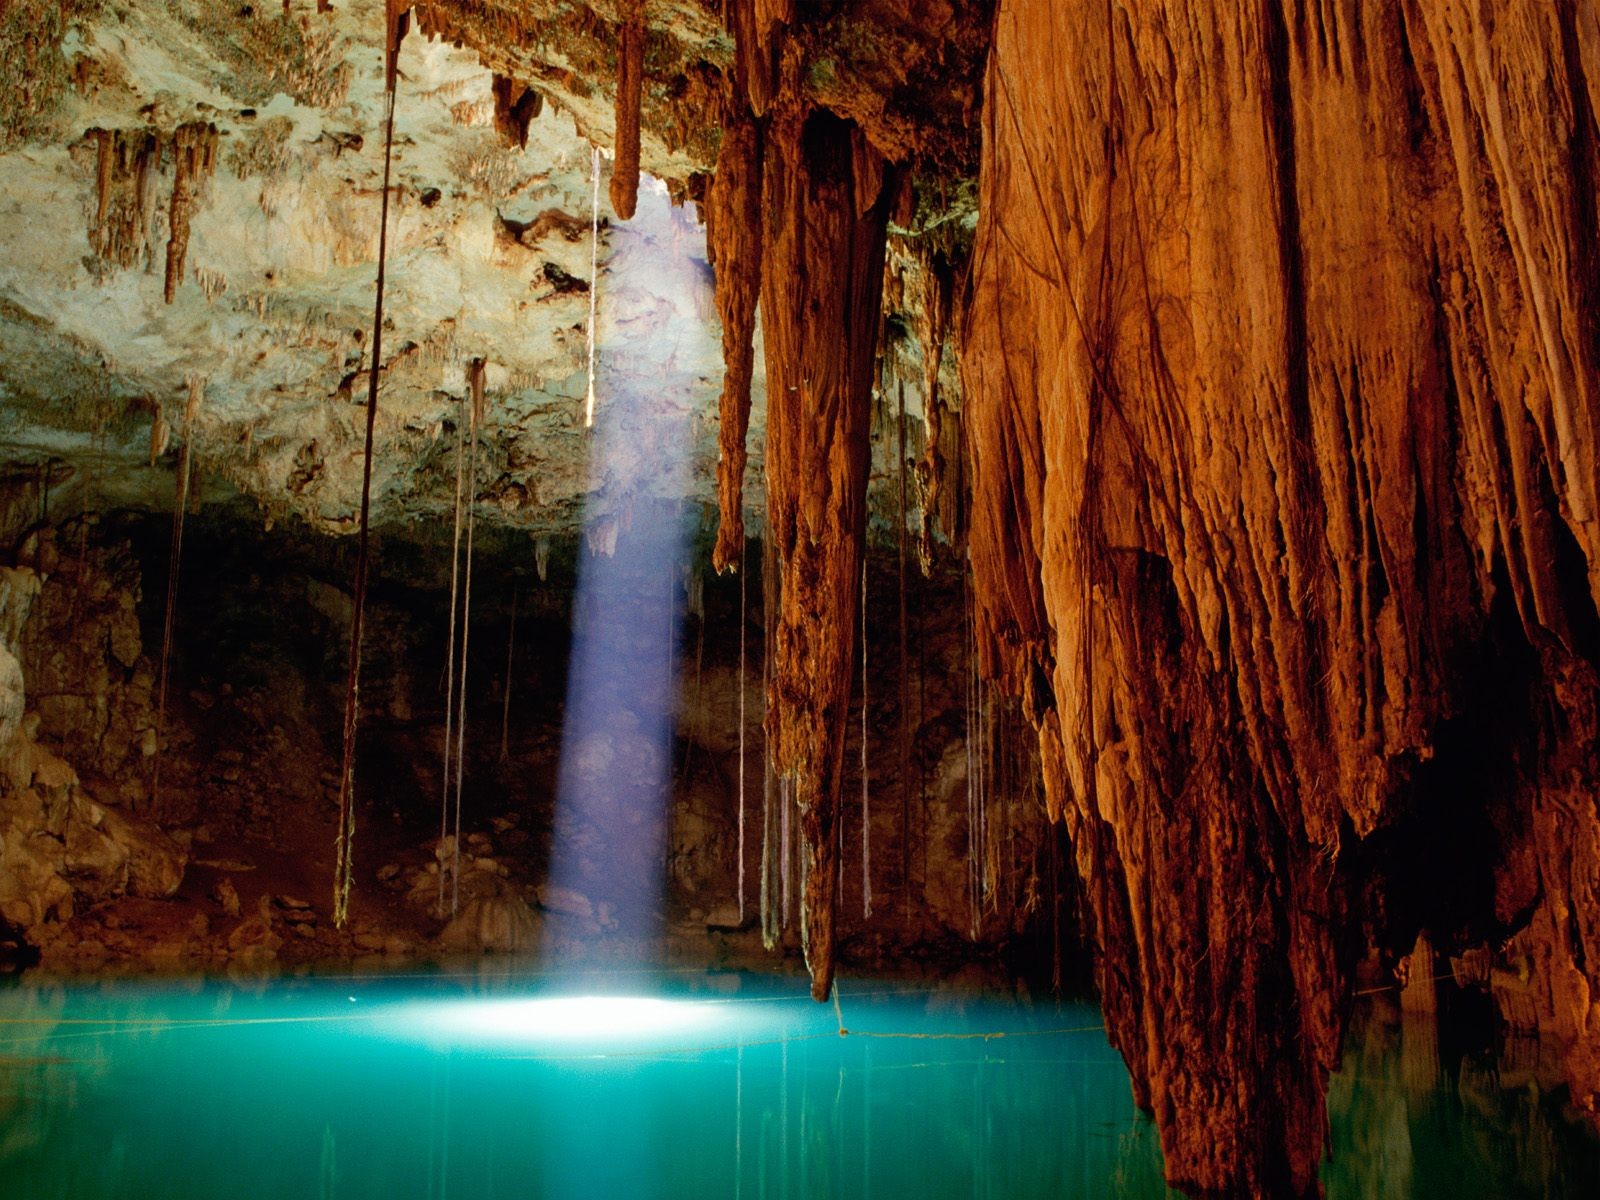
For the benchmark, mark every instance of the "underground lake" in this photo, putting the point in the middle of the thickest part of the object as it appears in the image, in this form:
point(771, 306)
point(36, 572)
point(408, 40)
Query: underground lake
point(676, 1086)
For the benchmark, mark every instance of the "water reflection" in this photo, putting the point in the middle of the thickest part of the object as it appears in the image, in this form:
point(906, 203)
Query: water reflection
point(704, 1085)
point(360, 1088)
point(1410, 1121)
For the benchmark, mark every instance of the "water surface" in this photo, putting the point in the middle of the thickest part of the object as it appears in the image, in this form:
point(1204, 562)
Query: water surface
point(675, 1087)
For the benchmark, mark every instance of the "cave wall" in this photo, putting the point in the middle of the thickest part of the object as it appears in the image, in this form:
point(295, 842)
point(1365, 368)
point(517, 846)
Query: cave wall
point(1280, 361)
point(248, 753)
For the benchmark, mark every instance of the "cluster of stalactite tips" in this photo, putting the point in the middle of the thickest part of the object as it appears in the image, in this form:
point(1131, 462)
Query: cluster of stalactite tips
point(1270, 496)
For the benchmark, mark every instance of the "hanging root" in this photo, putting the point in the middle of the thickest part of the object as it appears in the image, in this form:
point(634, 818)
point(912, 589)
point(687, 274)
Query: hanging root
point(742, 725)
point(450, 658)
point(630, 93)
point(344, 857)
point(475, 387)
point(174, 556)
point(769, 806)
point(905, 677)
point(866, 795)
point(505, 711)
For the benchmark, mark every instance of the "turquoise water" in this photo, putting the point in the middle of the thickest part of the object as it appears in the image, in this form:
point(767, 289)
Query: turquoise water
point(695, 1086)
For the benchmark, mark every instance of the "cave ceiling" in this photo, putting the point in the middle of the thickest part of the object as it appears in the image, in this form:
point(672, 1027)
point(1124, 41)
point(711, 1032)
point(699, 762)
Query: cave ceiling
point(279, 111)
point(489, 258)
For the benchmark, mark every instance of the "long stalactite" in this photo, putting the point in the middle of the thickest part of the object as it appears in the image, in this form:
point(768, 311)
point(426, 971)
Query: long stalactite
point(826, 221)
point(630, 90)
point(733, 238)
point(194, 158)
point(1283, 402)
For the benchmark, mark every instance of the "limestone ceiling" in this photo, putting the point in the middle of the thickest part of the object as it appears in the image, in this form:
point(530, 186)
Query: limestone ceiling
point(489, 257)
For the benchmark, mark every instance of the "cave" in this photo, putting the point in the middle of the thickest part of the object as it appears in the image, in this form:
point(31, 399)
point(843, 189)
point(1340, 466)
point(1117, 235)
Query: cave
point(800, 598)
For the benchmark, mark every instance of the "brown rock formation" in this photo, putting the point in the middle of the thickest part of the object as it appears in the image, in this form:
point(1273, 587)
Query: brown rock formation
point(733, 237)
point(125, 160)
point(827, 214)
point(515, 106)
point(933, 324)
point(630, 90)
point(1281, 366)
point(194, 158)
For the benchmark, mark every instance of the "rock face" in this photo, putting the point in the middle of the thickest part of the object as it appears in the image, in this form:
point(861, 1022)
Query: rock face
point(58, 847)
point(1281, 372)
point(88, 681)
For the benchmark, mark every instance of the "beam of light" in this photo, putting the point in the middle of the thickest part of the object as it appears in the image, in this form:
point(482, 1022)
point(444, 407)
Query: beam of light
point(616, 772)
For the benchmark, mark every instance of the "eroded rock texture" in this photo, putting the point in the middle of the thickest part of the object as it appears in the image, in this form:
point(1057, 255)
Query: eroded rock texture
point(827, 112)
point(630, 89)
point(1281, 365)
point(733, 238)
point(820, 300)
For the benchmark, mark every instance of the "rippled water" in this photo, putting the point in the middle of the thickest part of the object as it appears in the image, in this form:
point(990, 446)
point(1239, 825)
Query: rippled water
point(676, 1087)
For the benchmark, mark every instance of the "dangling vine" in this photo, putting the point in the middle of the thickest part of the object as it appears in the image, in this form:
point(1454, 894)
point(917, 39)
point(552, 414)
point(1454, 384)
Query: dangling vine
point(905, 677)
point(475, 391)
point(866, 796)
point(174, 558)
point(450, 658)
point(743, 572)
point(396, 22)
point(769, 808)
point(505, 709)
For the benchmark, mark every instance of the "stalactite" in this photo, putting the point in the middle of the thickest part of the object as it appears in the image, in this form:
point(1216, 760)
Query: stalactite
point(541, 558)
point(475, 379)
point(194, 156)
point(180, 508)
point(733, 239)
point(450, 653)
point(1271, 557)
point(344, 846)
point(821, 291)
point(630, 93)
point(160, 435)
point(125, 165)
point(933, 319)
point(594, 279)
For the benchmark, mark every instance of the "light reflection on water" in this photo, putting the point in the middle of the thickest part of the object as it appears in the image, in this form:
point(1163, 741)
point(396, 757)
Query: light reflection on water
point(668, 1087)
